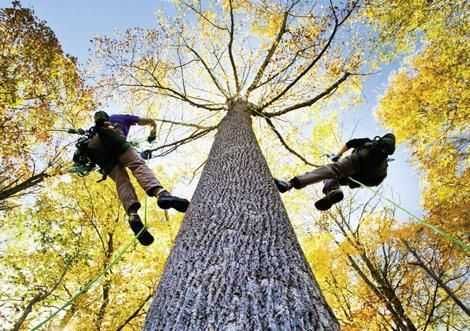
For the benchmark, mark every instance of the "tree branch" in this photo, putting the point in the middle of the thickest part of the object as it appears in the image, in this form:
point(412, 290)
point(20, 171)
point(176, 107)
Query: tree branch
point(315, 60)
point(432, 275)
point(134, 314)
point(331, 89)
point(198, 12)
point(209, 71)
point(37, 298)
point(230, 48)
point(283, 142)
point(174, 145)
point(271, 51)
point(193, 125)
point(27, 183)
point(172, 92)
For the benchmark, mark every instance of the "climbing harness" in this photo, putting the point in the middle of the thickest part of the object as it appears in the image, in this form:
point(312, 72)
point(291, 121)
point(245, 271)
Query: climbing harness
point(82, 162)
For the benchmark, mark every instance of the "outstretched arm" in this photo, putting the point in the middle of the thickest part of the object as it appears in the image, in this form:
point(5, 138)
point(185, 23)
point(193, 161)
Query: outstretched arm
point(153, 124)
point(353, 143)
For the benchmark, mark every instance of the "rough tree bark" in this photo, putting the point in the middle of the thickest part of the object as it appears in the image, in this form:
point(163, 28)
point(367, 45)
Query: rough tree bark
point(237, 264)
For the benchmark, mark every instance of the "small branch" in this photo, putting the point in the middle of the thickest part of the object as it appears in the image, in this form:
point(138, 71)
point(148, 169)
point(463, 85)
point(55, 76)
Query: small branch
point(437, 279)
point(283, 142)
point(174, 145)
point(37, 298)
point(209, 71)
point(331, 89)
point(192, 125)
point(134, 314)
point(196, 170)
point(222, 68)
point(172, 92)
point(27, 183)
point(199, 13)
point(181, 67)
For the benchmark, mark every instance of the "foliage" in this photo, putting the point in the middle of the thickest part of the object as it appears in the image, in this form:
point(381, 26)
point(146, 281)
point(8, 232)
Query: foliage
point(381, 274)
point(66, 241)
point(426, 105)
point(40, 88)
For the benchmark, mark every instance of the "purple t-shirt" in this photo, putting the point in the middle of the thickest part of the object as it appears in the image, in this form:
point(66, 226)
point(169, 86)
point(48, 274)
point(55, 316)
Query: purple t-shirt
point(124, 122)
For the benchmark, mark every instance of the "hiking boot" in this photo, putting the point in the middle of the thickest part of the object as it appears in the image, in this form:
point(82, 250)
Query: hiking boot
point(329, 200)
point(167, 201)
point(144, 237)
point(282, 186)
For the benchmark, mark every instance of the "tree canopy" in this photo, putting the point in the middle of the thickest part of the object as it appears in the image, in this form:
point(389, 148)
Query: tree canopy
point(298, 65)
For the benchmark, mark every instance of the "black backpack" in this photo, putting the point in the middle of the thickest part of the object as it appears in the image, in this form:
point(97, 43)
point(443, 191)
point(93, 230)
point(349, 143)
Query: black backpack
point(373, 158)
point(99, 146)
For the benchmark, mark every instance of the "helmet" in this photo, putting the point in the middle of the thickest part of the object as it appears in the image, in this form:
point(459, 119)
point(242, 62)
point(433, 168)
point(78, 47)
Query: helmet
point(101, 117)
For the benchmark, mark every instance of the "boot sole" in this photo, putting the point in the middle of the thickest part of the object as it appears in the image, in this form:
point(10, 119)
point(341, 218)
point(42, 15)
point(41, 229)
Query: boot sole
point(327, 202)
point(179, 204)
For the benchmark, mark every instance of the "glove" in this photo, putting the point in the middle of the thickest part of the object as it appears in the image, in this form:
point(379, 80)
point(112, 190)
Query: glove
point(152, 136)
point(146, 155)
point(335, 158)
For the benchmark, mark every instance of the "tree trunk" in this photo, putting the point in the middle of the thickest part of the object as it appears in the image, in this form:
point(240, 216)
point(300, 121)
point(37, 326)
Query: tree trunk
point(236, 264)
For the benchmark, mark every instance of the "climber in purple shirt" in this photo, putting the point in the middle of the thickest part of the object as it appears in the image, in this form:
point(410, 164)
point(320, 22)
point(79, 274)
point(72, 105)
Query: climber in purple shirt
point(111, 143)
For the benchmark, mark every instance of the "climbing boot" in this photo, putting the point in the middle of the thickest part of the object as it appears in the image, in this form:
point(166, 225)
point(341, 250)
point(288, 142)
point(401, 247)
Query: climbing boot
point(329, 200)
point(282, 185)
point(167, 201)
point(144, 237)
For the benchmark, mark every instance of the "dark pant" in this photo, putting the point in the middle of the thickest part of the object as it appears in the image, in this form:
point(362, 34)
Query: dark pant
point(333, 174)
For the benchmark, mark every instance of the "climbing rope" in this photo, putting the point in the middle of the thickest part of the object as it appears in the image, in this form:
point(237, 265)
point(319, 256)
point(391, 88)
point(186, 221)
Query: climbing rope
point(87, 286)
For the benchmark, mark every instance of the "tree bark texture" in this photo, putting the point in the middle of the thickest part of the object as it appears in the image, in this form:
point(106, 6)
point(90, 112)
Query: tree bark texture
point(236, 263)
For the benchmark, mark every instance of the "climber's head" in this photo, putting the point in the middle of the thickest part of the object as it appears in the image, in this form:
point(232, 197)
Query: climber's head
point(101, 117)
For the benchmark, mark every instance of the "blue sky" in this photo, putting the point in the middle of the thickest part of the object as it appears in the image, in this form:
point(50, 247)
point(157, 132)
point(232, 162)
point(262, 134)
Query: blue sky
point(77, 22)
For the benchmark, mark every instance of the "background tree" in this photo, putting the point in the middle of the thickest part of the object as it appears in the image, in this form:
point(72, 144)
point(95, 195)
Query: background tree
point(65, 241)
point(386, 274)
point(426, 104)
point(40, 88)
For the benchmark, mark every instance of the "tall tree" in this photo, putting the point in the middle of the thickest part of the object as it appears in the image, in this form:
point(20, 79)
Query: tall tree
point(236, 262)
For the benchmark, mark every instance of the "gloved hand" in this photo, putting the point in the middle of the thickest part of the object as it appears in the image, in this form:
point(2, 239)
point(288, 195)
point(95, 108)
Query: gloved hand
point(152, 136)
point(146, 155)
point(335, 158)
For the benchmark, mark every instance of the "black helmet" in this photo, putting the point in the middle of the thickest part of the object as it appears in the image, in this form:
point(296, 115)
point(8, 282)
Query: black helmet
point(101, 117)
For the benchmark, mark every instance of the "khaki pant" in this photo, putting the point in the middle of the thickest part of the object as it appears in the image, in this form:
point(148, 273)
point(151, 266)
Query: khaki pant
point(129, 159)
point(333, 172)
point(144, 175)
